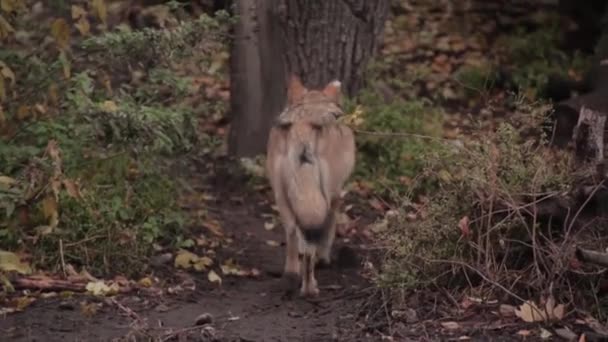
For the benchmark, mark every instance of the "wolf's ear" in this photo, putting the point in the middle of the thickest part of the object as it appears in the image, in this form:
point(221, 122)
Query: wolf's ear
point(333, 90)
point(295, 89)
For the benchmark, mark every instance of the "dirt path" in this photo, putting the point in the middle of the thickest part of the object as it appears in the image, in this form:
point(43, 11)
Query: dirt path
point(243, 309)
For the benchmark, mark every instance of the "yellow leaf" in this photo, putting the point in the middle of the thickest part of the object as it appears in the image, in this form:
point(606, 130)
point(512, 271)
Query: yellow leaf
point(272, 243)
point(202, 263)
point(145, 282)
point(23, 302)
point(2, 90)
point(99, 288)
point(83, 26)
point(23, 112)
point(2, 118)
point(101, 11)
point(61, 32)
point(214, 227)
point(49, 209)
point(7, 73)
point(109, 106)
point(72, 189)
point(7, 181)
point(53, 94)
point(78, 12)
point(11, 262)
point(530, 313)
point(65, 64)
point(5, 28)
point(185, 259)
point(214, 278)
point(11, 5)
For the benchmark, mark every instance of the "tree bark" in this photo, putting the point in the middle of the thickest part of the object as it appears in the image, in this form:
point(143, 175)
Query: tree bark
point(318, 40)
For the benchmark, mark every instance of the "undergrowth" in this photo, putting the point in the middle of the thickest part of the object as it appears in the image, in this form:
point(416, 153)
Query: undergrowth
point(392, 138)
point(484, 228)
point(84, 154)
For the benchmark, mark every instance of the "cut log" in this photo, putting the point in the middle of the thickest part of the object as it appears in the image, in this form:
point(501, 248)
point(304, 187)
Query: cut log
point(588, 135)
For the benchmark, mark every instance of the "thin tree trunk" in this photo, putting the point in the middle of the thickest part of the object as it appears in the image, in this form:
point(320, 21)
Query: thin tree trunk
point(319, 40)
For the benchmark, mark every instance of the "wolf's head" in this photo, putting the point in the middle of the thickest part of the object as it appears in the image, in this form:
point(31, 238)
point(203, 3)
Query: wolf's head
point(310, 105)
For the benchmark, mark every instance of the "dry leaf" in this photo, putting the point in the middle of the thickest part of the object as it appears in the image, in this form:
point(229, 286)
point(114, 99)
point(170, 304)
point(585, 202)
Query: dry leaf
point(145, 282)
point(272, 243)
point(450, 325)
point(61, 32)
point(545, 334)
point(72, 189)
point(99, 288)
point(100, 9)
point(78, 12)
point(214, 278)
point(65, 64)
point(11, 5)
point(5, 28)
point(463, 224)
point(530, 313)
point(506, 310)
point(524, 333)
point(83, 26)
point(109, 106)
point(214, 227)
point(269, 225)
point(11, 262)
point(49, 209)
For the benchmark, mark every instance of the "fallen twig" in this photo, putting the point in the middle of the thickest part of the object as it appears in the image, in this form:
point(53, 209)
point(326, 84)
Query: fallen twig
point(593, 257)
point(47, 284)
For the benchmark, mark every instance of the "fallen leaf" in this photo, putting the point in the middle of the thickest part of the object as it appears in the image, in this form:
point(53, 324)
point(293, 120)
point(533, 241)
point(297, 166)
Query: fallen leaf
point(145, 282)
point(202, 263)
point(100, 9)
point(214, 227)
point(272, 243)
point(269, 225)
point(506, 310)
point(109, 106)
point(184, 259)
point(545, 334)
point(88, 309)
point(213, 277)
point(530, 313)
point(83, 26)
point(78, 11)
point(524, 333)
point(5, 28)
point(61, 32)
point(463, 224)
point(72, 189)
point(10, 261)
point(450, 325)
point(99, 288)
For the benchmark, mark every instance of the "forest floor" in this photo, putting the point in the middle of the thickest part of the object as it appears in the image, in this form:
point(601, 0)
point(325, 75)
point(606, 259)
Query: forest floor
point(253, 307)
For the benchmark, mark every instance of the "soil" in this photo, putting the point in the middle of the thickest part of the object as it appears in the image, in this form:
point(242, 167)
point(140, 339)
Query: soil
point(241, 309)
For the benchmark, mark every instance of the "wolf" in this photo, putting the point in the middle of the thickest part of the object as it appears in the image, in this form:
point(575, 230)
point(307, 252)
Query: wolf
point(310, 155)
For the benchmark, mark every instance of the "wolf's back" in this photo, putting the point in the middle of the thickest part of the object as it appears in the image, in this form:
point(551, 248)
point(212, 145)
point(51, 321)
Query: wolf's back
point(303, 182)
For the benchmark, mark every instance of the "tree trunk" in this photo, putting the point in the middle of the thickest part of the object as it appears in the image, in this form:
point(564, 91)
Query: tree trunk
point(318, 40)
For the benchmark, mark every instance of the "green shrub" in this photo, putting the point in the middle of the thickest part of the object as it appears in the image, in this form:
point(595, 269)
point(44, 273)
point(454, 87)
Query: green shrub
point(87, 181)
point(392, 138)
point(477, 217)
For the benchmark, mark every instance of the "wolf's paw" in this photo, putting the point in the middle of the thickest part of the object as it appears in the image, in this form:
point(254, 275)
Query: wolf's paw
point(291, 282)
point(309, 291)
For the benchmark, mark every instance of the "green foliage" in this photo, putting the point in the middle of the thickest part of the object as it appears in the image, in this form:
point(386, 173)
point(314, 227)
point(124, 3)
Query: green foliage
point(536, 55)
point(85, 180)
point(476, 80)
point(391, 160)
point(470, 218)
